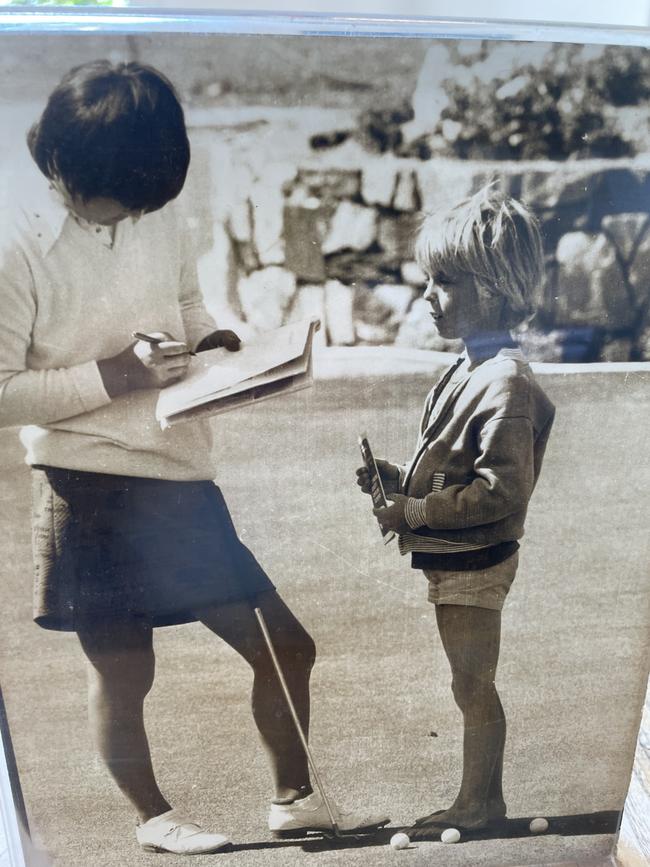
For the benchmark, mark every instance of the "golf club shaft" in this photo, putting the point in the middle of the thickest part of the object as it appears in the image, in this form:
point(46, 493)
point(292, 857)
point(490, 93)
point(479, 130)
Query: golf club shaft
point(292, 710)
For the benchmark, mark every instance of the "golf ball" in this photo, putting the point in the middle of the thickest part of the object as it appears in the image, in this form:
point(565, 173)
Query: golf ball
point(450, 835)
point(400, 841)
point(538, 826)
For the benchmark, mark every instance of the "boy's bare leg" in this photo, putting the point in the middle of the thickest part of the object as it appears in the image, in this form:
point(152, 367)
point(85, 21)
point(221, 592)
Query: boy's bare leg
point(120, 675)
point(471, 638)
point(237, 625)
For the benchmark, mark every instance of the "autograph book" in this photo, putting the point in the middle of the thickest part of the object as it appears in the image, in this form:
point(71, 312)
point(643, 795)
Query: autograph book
point(273, 363)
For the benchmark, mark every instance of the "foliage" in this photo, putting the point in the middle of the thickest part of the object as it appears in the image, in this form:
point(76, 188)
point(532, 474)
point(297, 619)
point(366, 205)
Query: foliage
point(556, 111)
point(532, 102)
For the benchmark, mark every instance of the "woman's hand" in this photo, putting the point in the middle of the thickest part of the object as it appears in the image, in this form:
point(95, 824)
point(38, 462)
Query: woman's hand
point(226, 338)
point(145, 364)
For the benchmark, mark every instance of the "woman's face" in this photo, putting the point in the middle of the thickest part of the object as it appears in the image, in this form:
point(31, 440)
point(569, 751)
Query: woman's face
point(100, 210)
point(104, 212)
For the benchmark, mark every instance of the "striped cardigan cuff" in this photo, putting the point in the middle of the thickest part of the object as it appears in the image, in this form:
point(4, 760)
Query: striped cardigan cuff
point(415, 513)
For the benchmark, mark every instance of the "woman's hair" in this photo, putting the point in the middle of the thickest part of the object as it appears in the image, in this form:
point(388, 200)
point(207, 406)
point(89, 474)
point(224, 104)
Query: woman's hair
point(496, 240)
point(114, 131)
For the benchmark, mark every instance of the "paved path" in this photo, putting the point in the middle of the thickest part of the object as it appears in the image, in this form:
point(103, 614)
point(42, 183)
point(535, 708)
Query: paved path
point(575, 631)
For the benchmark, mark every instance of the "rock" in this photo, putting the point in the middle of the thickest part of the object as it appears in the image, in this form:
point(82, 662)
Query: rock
point(375, 335)
point(549, 190)
point(625, 230)
point(397, 298)
point(367, 267)
point(396, 236)
point(619, 191)
point(591, 286)
point(443, 183)
point(378, 181)
point(597, 193)
point(639, 270)
point(330, 184)
point(231, 182)
point(309, 302)
point(302, 198)
point(339, 302)
point(541, 345)
point(218, 274)
point(195, 204)
point(413, 275)
point(266, 295)
point(371, 308)
point(353, 227)
point(418, 332)
point(246, 256)
point(304, 231)
point(643, 344)
point(407, 195)
point(240, 220)
point(618, 349)
point(267, 203)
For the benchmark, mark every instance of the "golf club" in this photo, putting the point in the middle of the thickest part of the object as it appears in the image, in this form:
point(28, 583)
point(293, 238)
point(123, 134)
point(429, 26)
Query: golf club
point(292, 709)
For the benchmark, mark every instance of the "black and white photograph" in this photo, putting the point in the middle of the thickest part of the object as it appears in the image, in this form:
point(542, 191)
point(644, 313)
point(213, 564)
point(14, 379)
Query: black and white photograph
point(324, 375)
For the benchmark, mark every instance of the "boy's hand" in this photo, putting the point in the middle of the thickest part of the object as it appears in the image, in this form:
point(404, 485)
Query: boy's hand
point(388, 473)
point(392, 517)
point(225, 338)
point(145, 365)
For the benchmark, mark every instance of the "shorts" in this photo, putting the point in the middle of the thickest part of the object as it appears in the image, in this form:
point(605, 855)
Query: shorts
point(482, 588)
point(109, 546)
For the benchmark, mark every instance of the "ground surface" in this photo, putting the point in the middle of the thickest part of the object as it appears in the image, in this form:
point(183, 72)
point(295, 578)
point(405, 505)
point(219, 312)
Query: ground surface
point(571, 678)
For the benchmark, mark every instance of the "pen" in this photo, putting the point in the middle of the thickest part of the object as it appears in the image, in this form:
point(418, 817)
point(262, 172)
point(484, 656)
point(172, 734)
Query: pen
point(148, 338)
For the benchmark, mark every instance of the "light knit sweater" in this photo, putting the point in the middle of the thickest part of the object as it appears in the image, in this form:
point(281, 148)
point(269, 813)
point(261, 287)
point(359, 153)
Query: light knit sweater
point(71, 295)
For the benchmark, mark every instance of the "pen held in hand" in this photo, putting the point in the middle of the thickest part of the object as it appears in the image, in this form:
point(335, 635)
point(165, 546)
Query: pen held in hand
point(154, 341)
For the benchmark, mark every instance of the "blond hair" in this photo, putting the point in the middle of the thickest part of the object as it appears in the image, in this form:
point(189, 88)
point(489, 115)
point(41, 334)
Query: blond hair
point(496, 240)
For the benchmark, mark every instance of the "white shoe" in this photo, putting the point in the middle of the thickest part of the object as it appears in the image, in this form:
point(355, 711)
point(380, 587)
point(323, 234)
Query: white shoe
point(310, 814)
point(172, 832)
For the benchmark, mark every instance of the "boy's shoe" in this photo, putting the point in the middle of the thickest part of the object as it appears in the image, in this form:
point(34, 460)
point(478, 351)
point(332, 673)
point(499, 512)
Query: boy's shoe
point(310, 814)
point(172, 832)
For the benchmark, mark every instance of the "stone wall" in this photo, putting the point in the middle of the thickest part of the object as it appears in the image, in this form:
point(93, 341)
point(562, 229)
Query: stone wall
point(332, 236)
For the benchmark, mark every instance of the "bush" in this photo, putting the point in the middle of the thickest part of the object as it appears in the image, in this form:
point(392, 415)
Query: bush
point(554, 112)
point(556, 105)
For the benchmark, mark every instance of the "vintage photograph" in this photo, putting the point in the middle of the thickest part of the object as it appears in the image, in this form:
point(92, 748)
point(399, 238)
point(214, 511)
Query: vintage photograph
point(324, 370)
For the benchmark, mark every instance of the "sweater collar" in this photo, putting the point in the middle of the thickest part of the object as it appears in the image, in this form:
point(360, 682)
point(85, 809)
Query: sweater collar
point(513, 352)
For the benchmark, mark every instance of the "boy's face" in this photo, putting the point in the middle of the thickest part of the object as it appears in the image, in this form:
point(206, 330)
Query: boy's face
point(457, 308)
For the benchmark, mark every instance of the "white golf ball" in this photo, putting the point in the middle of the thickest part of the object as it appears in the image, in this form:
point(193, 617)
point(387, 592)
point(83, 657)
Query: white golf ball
point(400, 841)
point(538, 826)
point(450, 835)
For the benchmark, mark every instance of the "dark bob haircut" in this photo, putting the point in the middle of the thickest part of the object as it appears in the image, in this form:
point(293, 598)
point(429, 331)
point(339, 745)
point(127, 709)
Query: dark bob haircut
point(114, 131)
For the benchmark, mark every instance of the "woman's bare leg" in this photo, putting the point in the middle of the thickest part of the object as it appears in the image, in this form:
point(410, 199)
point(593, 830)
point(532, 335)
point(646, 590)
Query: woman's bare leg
point(237, 625)
point(120, 674)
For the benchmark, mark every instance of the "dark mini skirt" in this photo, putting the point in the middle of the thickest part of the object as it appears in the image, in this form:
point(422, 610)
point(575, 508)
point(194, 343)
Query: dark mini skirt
point(108, 546)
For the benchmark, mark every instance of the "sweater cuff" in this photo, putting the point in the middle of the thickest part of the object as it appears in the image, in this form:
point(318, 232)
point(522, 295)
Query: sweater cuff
point(89, 385)
point(415, 513)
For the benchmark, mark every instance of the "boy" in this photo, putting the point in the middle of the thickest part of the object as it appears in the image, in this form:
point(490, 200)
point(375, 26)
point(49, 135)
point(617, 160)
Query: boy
point(459, 506)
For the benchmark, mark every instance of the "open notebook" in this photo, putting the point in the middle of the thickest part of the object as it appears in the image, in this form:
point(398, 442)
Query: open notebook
point(272, 363)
